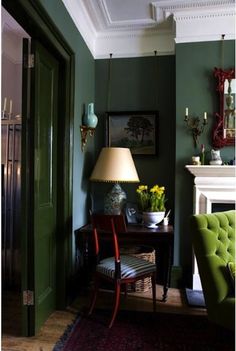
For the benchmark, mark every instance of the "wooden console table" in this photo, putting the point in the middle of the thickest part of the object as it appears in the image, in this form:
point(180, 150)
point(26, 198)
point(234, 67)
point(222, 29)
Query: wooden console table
point(161, 238)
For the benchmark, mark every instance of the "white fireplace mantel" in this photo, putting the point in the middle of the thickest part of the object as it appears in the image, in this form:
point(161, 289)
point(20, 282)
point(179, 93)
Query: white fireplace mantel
point(212, 171)
point(212, 185)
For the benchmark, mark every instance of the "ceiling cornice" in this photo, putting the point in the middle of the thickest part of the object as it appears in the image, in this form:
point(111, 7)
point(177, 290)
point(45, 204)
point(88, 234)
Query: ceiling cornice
point(170, 22)
point(82, 21)
point(161, 10)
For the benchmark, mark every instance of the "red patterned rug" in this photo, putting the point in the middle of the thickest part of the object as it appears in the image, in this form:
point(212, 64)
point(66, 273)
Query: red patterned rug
point(134, 331)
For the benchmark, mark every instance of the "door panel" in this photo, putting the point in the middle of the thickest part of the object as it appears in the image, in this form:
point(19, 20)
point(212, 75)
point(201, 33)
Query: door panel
point(45, 87)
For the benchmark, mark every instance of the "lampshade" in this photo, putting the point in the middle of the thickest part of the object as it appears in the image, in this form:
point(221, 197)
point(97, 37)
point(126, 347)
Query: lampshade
point(115, 164)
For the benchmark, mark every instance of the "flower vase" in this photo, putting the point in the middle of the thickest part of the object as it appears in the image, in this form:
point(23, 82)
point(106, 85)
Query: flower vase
point(151, 219)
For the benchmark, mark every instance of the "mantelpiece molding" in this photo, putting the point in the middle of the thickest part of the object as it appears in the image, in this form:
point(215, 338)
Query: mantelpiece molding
point(212, 171)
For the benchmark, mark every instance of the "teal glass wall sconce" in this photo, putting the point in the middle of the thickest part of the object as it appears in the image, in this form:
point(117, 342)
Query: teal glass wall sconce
point(90, 121)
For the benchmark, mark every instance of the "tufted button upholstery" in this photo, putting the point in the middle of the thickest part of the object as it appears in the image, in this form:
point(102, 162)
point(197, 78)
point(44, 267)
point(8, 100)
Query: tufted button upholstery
point(213, 238)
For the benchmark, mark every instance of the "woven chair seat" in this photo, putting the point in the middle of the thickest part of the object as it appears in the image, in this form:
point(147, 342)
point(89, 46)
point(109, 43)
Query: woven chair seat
point(131, 267)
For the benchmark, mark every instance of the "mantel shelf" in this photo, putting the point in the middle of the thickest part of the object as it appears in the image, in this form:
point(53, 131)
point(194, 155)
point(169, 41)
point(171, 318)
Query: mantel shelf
point(212, 171)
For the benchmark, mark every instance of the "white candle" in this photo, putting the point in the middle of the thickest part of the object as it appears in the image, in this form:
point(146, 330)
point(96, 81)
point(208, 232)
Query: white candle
point(5, 104)
point(186, 111)
point(205, 116)
point(10, 111)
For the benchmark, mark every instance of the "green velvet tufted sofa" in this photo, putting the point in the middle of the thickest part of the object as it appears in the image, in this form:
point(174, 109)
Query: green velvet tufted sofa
point(213, 237)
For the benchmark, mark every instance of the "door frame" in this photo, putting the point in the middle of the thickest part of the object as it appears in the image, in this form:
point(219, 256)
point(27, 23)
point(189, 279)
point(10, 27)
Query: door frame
point(37, 23)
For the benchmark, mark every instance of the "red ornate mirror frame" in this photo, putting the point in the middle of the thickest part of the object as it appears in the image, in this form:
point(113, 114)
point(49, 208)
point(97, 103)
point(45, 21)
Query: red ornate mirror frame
point(222, 136)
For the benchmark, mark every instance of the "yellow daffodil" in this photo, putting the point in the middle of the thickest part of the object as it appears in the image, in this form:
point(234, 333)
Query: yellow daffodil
point(152, 200)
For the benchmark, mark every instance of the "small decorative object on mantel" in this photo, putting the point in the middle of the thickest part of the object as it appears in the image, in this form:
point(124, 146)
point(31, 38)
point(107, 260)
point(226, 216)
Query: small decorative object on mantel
point(202, 156)
point(152, 204)
point(215, 158)
point(90, 121)
point(199, 160)
point(196, 160)
point(194, 125)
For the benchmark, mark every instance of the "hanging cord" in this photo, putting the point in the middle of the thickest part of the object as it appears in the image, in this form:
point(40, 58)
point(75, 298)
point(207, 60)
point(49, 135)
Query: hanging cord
point(222, 51)
point(109, 84)
point(156, 78)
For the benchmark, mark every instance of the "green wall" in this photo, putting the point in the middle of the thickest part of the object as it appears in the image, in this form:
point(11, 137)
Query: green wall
point(137, 84)
point(167, 84)
point(195, 89)
point(84, 93)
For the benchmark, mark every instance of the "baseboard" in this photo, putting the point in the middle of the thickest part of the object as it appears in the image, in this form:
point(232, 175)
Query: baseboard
point(195, 298)
point(176, 280)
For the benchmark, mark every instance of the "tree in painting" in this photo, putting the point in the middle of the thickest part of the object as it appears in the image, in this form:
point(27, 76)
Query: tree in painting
point(138, 127)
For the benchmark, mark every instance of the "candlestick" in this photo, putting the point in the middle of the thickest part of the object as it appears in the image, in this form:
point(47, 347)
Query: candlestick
point(195, 125)
point(5, 104)
point(10, 109)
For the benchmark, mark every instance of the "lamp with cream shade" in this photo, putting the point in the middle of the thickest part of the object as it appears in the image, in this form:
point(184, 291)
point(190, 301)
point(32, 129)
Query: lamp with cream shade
point(115, 165)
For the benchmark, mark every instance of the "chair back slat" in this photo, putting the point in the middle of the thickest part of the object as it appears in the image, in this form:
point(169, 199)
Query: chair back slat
point(109, 224)
point(103, 222)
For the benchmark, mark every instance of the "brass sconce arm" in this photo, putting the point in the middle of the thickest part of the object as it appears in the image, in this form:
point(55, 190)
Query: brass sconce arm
point(90, 121)
point(195, 125)
point(85, 131)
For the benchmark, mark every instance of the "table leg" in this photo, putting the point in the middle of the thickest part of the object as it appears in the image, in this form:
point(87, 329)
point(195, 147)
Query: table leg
point(167, 272)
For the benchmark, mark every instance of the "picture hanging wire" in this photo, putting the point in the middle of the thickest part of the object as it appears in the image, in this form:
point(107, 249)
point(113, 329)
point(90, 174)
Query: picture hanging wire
point(156, 78)
point(109, 84)
point(222, 51)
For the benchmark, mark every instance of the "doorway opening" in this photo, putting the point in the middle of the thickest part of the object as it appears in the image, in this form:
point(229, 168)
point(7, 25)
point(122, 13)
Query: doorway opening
point(11, 123)
point(45, 40)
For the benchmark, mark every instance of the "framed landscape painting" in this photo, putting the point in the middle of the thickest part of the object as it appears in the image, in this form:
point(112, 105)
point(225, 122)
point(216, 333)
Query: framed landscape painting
point(136, 130)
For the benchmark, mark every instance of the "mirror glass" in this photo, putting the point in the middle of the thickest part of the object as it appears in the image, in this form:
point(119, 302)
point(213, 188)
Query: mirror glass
point(229, 108)
point(224, 128)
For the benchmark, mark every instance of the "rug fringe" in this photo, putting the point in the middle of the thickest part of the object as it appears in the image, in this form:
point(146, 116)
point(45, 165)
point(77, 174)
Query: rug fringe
point(69, 329)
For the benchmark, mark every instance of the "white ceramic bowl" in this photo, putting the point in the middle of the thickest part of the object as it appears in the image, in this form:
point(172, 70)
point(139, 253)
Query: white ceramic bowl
point(151, 219)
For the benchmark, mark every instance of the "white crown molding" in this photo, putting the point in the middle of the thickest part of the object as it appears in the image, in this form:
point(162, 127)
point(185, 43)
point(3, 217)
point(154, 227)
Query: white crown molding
point(205, 26)
point(170, 22)
point(197, 21)
point(161, 10)
point(134, 45)
point(82, 21)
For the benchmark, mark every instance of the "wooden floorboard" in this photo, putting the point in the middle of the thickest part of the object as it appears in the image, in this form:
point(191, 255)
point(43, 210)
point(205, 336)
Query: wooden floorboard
point(59, 320)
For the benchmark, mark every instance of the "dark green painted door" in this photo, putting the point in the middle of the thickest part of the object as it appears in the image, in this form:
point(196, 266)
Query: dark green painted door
point(45, 181)
point(39, 186)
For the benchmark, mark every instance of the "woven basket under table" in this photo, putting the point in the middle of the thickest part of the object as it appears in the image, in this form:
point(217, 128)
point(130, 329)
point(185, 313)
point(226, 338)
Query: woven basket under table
point(146, 253)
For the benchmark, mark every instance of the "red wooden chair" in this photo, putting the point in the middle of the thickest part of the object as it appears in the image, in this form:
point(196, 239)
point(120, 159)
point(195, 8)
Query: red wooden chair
point(118, 269)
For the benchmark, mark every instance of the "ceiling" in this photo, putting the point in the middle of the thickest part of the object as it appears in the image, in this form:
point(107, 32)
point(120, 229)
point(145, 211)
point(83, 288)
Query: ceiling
point(139, 27)
point(12, 32)
point(128, 28)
